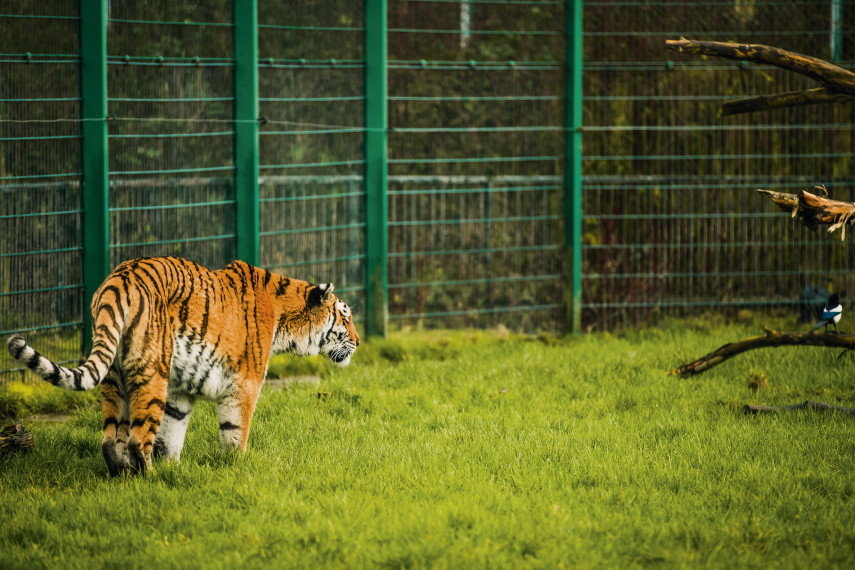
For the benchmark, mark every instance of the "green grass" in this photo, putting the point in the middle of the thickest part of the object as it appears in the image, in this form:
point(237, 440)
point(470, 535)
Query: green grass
point(474, 450)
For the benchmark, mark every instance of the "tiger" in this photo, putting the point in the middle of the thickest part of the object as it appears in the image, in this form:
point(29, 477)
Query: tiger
point(166, 331)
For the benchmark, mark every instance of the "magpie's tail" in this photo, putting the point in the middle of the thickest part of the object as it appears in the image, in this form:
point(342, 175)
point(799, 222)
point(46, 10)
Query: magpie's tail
point(817, 325)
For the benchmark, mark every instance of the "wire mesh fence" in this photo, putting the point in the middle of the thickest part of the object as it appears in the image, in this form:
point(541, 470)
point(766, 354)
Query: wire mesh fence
point(312, 100)
point(476, 199)
point(672, 222)
point(40, 177)
point(476, 105)
point(170, 78)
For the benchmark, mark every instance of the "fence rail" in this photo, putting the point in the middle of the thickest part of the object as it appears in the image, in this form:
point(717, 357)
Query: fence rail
point(427, 156)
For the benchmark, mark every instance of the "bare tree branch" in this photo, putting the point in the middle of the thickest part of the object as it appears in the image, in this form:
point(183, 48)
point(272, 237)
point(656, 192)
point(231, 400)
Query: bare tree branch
point(813, 210)
point(833, 77)
point(781, 100)
point(817, 406)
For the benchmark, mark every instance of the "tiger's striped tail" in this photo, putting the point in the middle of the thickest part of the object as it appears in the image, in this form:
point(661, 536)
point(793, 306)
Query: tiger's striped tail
point(84, 377)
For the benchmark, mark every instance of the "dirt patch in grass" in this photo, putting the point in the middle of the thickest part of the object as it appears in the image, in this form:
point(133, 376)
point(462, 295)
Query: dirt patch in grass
point(277, 384)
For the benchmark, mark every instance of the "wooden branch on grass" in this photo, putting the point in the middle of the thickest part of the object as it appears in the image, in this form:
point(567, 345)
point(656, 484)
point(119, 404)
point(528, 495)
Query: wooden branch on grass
point(15, 438)
point(813, 210)
point(816, 406)
point(838, 83)
point(770, 339)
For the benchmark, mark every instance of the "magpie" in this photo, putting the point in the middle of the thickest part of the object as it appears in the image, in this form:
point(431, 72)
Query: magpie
point(811, 302)
point(830, 314)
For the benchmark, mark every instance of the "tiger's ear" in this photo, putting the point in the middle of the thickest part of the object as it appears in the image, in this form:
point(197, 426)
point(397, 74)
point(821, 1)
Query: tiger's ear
point(318, 294)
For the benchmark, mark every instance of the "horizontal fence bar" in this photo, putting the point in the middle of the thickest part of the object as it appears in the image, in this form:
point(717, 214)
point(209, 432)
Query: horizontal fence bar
point(485, 281)
point(39, 17)
point(39, 214)
point(496, 2)
point(482, 190)
point(173, 206)
point(477, 65)
point(689, 216)
point(311, 99)
point(457, 32)
point(172, 170)
point(173, 135)
point(174, 241)
point(171, 62)
point(471, 251)
point(754, 127)
point(43, 100)
point(508, 129)
point(705, 274)
point(311, 28)
point(684, 157)
point(359, 194)
point(711, 303)
point(44, 138)
point(472, 160)
point(697, 245)
point(169, 99)
point(37, 57)
point(359, 162)
point(327, 65)
point(672, 3)
point(41, 252)
point(170, 23)
point(42, 290)
point(475, 99)
point(475, 312)
point(42, 328)
point(324, 261)
point(314, 229)
point(42, 176)
point(410, 223)
point(744, 35)
point(311, 179)
point(471, 178)
point(316, 131)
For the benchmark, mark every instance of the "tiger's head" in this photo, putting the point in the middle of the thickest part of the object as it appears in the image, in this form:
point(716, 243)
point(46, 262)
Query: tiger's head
point(338, 339)
point(314, 321)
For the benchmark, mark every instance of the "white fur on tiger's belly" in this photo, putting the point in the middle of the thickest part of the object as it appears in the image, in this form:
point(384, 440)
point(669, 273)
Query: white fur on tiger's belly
point(197, 371)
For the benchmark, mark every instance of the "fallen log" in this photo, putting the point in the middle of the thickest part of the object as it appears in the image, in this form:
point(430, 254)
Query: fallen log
point(808, 405)
point(813, 210)
point(15, 438)
point(769, 340)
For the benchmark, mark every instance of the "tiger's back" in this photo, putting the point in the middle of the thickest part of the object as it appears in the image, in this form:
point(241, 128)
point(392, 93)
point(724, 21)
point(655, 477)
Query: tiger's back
point(167, 331)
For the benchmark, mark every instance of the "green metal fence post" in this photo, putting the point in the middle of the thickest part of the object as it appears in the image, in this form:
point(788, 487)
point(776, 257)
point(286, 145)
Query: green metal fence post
point(376, 210)
point(836, 30)
point(93, 87)
point(246, 131)
point(573, 166)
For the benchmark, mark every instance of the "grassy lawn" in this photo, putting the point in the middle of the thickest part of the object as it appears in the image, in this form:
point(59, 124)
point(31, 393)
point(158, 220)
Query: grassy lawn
point(472, 449)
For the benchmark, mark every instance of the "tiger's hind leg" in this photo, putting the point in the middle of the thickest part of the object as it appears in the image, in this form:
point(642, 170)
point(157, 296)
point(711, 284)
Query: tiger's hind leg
point(147, 395)
point(114, 405)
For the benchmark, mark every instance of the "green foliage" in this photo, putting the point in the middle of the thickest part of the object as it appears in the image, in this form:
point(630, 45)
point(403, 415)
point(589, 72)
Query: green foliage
point(19, 399)
point(474, 449)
